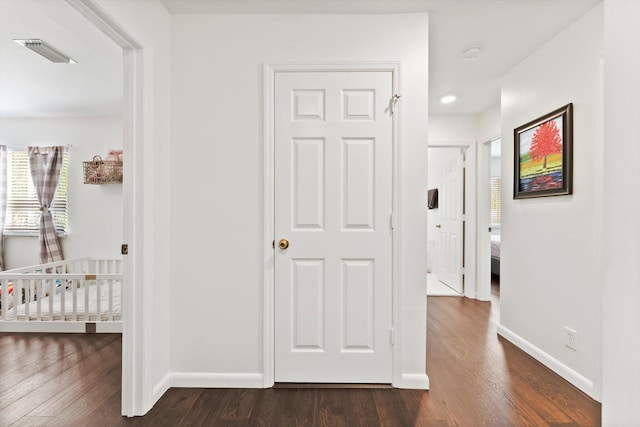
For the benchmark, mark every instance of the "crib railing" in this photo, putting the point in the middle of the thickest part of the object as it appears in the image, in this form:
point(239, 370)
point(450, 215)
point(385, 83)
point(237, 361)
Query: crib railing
point(76, 290)
point(83, 265)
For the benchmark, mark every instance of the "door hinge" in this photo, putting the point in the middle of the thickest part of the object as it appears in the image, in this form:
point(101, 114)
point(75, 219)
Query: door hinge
point(392, 336)
point(124, 250)
point(392, 222)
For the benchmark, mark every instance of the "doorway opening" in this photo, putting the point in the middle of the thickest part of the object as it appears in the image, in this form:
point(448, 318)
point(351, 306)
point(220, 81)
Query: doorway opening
point(102, 122)
point(467, 197)
point(447, 227)
point(489, 216)
point(495, 207)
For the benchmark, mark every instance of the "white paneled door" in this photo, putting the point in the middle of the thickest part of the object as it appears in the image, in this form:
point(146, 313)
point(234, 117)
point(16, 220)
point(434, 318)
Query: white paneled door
point(451, 197)
point(333, 204)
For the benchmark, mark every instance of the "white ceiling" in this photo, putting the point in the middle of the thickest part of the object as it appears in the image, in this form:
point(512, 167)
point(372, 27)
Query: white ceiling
point(31, 86)
point(507, 30)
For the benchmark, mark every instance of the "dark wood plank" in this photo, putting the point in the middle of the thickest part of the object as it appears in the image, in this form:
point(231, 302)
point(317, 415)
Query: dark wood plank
point(205, 407)
point(293, 407)
point(391, 408)
point(73, 408)
point(29, 421)
point(86, 382)
point(43, 383)
point(172, 409)
point(476, 379)
point(40, 356)
point(426, 410)
point(361, 410)
point(107, 413)
point(333, 406)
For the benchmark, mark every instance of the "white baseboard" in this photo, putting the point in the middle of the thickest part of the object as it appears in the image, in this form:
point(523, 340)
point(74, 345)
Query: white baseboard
point(109, 327)
point(241, 380)
point(582, 383)
point(213, 380)
point(413, 381)
point(161, 388)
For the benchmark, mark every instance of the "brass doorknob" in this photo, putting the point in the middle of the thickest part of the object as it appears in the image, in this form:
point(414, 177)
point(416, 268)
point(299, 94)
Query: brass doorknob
point(438, 226)
point(283, 244)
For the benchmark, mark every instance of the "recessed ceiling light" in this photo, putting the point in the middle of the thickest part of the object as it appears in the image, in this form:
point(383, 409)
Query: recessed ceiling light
point(471, 52)
point(43, 49)
point(448, 99)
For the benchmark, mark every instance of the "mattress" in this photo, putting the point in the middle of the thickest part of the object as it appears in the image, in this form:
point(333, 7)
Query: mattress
point(85, 314)
point(495, 246)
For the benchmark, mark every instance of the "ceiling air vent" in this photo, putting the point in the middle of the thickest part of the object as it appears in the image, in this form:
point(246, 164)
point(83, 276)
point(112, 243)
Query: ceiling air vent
point(43, 49)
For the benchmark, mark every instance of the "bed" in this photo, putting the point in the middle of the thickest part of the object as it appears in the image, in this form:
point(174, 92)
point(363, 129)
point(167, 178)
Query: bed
point(495, 254)
point(77, 295)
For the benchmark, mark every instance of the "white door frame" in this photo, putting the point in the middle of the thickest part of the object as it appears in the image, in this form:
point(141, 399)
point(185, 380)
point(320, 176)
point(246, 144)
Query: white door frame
point(136, 362)
point(471, 288)
point(269, 71)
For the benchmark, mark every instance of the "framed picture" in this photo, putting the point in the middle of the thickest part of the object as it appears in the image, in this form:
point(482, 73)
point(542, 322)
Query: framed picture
point(543, 155)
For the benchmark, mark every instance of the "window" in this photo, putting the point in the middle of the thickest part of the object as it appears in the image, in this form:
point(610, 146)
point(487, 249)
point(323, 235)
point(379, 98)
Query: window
point(496, 199)
point(23, 208)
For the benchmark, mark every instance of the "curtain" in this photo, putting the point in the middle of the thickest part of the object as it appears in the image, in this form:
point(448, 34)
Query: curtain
point(45, 164)
point(3, 199)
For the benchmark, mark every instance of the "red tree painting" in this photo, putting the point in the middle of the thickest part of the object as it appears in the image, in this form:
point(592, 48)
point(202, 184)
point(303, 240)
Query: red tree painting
point(545, 141)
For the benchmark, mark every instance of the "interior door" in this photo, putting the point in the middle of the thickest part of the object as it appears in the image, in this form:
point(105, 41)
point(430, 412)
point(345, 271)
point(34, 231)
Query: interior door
point(451, 196)
point(333, 247)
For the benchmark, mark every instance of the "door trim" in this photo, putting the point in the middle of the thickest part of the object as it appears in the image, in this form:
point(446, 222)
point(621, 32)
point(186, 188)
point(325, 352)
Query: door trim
point(269, 72)
point(136, 396)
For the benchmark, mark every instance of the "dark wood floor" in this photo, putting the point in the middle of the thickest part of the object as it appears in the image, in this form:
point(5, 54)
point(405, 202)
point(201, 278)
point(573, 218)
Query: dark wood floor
point(477, 379)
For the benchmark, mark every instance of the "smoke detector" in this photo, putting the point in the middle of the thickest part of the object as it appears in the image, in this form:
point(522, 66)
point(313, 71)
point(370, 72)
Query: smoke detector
point(43, 49)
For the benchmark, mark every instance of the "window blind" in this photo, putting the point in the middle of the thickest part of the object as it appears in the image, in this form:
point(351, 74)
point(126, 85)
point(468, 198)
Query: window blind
point(496, 199)
point(23, 208)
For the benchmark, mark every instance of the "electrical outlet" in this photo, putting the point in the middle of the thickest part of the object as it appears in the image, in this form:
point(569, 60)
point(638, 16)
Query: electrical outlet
point(571, 338)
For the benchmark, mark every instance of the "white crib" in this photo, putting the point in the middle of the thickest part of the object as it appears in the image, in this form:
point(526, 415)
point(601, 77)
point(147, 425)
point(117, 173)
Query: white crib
point(76, 295)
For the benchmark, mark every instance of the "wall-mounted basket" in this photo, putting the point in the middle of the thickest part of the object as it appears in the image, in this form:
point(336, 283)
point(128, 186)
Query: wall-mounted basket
point(100, 171)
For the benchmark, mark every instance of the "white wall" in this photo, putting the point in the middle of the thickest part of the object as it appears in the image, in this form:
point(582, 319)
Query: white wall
point(95, 211)
point(621, 252)
point(489, 124)
point(149, 24)
point(551, 265)
point(217, 156)
point(452, 129)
